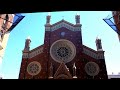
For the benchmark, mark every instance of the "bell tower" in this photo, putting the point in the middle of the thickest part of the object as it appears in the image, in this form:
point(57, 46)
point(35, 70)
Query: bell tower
point(98, 44)
point(25, 55)
point(62, 44)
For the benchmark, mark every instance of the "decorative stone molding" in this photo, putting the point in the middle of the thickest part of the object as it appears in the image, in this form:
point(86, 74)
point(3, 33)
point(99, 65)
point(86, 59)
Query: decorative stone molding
point(93, 54)
point(25, 55)
point(36, 52)
point(63, 24)
point(47, 28)
point(33, 53)
point(77, 28)
point(90, 53)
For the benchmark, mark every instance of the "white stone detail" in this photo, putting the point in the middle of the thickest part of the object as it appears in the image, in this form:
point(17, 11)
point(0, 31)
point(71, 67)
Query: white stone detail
point(36, 52)
point(77, 29)
point(63, 24)
point(25, 55)
point(47, 28)
point(96, 55)
point(33, 54)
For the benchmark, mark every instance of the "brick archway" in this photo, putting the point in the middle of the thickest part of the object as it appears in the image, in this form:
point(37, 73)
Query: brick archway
point(62, 76)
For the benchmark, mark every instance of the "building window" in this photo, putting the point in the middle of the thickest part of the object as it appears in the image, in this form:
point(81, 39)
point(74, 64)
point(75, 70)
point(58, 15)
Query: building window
point(62, 33)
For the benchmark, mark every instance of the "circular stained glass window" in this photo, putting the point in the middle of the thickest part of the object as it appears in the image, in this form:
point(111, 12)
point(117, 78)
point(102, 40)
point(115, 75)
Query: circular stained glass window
point(62, 33)
point(63, 50)
point(34, 68)
point(92, 68)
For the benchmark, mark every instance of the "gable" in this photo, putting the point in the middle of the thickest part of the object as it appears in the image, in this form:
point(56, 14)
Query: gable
point(64, 24)
point(62, 71)
point(92, 53)
point(36, 51)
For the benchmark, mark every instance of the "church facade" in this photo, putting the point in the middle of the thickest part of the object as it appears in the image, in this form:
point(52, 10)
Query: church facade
point(63, 55)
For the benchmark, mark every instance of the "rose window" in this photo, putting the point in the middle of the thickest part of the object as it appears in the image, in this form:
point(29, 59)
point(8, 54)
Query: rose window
point(34, 68)
point(92, 68)
point(63, 50)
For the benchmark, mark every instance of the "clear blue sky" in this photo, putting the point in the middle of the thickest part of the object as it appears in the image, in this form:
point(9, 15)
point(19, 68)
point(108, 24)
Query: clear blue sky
point(33, 25)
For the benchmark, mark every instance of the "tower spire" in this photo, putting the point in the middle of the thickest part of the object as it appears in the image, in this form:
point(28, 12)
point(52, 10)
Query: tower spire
point(48, 18)
point(98, 44)
point(77, 18)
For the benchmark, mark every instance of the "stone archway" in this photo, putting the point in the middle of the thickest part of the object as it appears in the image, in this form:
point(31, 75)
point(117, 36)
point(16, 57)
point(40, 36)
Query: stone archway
point(62, 76)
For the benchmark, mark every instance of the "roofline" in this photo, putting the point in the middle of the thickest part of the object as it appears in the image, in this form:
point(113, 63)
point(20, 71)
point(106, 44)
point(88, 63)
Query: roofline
point(63, 21)
point(36, 48)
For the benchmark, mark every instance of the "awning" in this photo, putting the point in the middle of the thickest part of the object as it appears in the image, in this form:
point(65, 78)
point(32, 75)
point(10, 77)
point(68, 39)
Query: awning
point(110, 21)
point(16, 20)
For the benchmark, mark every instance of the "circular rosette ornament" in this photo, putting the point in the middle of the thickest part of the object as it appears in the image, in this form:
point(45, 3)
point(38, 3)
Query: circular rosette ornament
point(34, 68)
point(62, 51)
point(92, 68)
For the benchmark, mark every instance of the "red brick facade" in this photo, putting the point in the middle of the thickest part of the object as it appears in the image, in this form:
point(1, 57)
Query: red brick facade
point(51, 69)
